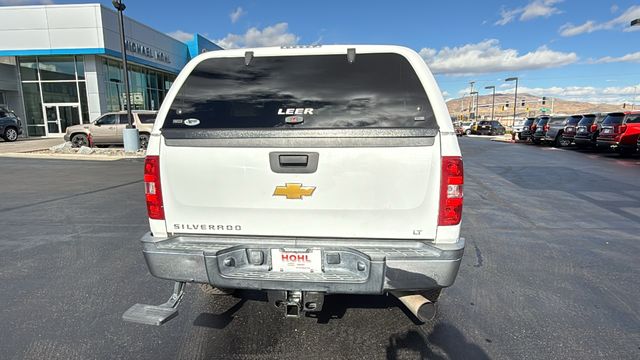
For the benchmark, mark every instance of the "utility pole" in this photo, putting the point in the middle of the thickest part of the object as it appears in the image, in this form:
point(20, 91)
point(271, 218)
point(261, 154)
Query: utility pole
point(493, 100)
point(130, 136)
point(515, 99)
point(471, 96)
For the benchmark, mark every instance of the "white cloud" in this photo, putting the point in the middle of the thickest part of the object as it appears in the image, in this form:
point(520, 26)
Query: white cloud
point(445, 94)
point(541, 8)
point(25, 2)
point(534, 9)
point(632, 57)
point(276, 35)
point(487, 57)
point(181, 35)
point(614, 8)
point(590, 26)
point(237, 14)
point(610, 94)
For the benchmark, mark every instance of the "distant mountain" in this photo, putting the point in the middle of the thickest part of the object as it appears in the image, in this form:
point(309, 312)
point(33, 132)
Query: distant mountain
point(532, 107)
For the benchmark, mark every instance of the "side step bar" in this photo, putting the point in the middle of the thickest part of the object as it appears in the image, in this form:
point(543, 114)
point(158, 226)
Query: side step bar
point(156, 314)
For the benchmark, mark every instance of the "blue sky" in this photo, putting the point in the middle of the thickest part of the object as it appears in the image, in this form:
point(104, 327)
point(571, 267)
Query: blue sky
point(575, 49)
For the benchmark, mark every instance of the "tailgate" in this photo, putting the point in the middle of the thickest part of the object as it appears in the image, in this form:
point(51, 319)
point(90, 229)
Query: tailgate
point(355, 192)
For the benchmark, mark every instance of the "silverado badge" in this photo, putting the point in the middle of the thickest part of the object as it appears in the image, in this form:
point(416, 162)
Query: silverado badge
point(294, 191)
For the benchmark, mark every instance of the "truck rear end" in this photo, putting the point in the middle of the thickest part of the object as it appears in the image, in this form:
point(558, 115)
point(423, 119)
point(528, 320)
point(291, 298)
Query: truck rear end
point(305, 172)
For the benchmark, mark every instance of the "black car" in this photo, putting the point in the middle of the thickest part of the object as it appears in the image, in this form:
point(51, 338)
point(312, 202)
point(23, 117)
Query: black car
point(554, 129)
point(490, 127)
point(588, 129)
point(10, 125)
point(540, 129)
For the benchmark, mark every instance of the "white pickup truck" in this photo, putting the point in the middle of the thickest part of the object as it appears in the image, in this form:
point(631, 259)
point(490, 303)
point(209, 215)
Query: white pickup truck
point(304, 171)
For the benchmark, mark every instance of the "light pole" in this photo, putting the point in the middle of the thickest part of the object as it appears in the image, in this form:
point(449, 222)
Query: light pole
point(475, 104)
point(493, 100)
point(515, 99)
point(130, 137)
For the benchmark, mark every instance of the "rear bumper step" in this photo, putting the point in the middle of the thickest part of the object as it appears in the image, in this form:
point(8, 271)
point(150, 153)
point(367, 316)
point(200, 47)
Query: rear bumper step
point(348, 266)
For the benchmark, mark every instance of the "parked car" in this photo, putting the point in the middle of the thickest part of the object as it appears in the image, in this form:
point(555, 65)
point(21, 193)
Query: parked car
point(588, 129)
point(490, 127)
point(552, 130)
point(620, 131)
point(107, 129)
point(526, 129)
point(259, 207)
point(10, 125)
point(457, 127)
point(468, 127)
point(569, 132)
point(538, 129)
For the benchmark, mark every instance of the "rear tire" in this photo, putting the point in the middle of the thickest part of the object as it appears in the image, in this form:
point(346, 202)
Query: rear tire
point(467, 132)
point(79, 140)
point(536, 141)
point(10, 134)
point(209, 289)
point(561, 142)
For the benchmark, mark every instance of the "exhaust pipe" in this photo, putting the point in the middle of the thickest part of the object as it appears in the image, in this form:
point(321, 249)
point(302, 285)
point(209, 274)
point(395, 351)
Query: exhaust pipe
point(421, 307)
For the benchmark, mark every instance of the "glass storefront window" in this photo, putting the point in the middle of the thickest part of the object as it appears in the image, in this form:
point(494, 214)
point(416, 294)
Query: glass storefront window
point(59, 92)
point(147, 86)
point(57, 68)
point(32, 105)
point(80, 67)
point(28, 68)
point(84, 107)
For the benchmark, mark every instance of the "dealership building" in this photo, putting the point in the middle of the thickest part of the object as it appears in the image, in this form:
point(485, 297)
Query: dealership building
point(60, 64)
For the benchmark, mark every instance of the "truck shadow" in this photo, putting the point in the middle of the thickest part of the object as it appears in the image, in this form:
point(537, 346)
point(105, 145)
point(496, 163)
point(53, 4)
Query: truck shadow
point(442, 341)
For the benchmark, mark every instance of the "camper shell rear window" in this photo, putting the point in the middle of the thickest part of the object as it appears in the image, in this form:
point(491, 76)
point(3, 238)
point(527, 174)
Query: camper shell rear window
point(302, 92)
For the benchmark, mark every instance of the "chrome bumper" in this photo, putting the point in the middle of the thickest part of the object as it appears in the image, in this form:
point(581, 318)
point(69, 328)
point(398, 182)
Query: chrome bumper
point(357, 266)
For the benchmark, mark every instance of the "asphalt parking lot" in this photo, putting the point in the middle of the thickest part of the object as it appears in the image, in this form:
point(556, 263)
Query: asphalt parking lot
point(550, 271)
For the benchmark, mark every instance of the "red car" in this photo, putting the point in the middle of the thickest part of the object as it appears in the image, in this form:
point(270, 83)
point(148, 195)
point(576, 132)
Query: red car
point(620, 130)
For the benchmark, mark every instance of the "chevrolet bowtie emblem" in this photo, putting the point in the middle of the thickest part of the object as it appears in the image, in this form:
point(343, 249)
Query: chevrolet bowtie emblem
point(294, 191)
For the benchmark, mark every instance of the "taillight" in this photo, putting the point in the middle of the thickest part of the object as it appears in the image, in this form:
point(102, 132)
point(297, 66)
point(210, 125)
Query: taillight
point(622, 128)
point(533, 127)
point(152, 188)
point(451, 183)
point(593, 128)
point(546, 128)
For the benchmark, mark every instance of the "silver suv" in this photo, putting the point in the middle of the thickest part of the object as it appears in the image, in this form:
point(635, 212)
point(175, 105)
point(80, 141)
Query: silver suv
point(107, 129)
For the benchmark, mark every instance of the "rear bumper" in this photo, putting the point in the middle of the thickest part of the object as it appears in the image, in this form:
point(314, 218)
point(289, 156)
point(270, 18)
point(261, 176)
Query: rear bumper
point(363, 267)
point(584, 140)
point(606, 142)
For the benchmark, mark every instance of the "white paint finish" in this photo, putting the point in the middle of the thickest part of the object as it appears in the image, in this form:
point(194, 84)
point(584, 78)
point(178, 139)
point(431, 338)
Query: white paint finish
point(23, 18)
point(72, 17)
point(82, 38)
point(360, 192)
point(24, 39)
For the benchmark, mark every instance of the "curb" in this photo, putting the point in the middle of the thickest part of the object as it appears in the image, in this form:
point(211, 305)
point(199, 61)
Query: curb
point(71, 156)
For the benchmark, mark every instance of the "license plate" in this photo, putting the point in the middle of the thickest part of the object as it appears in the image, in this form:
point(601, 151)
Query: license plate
point(606, 131)
point(570, 129)
point(304, 261)
point(582, 130)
